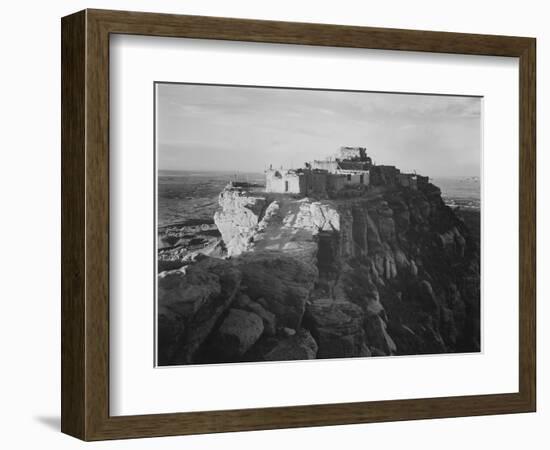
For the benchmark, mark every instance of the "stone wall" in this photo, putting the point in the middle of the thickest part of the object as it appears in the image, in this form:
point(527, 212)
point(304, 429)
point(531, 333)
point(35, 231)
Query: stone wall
point(407, 180)
point(316, 182)
point(384, 175)
point(351, 177)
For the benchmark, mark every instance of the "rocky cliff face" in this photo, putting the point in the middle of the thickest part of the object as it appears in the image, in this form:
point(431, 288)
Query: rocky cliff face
point(390, 272)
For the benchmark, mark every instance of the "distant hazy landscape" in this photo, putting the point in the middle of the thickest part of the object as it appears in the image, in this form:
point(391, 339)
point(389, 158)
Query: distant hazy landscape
point(460, 191)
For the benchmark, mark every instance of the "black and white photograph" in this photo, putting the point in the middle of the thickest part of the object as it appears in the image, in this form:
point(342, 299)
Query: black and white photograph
point(302, 224)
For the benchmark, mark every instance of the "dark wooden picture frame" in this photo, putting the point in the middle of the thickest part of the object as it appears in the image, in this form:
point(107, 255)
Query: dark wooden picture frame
point(85, 224)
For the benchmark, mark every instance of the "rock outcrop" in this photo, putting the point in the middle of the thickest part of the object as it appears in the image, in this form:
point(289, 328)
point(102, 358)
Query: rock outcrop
point(392, 271)
point(237, 220)
point(279, 283)
point(296, 347)
point(337, 326)
point(237, 333)
point(189, 304)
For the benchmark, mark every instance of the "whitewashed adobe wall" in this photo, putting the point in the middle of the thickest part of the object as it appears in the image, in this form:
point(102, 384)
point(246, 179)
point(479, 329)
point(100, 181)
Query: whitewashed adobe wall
point(281, 181)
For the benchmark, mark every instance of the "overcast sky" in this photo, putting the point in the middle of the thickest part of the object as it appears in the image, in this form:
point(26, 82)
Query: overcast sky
point(247, 129)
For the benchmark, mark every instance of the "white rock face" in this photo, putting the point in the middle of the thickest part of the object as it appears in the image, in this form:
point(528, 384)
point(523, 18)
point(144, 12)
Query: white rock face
point(314, 216)
point(237, 219)
point(254, 222)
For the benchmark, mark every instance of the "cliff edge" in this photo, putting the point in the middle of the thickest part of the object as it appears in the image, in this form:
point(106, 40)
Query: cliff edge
point(393, 271)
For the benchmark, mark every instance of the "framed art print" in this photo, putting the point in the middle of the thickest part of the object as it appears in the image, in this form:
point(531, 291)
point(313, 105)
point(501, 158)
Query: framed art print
point(271, 224)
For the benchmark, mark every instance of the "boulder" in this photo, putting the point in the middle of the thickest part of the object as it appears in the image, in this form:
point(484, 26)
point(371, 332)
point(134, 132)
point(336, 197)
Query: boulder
point(288, 331)
point(296, 347)
point(237, 333)
point(269, 320)
point(337, 326)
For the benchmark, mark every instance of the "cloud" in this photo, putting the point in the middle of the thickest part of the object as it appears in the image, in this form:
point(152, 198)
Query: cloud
point(248, 128)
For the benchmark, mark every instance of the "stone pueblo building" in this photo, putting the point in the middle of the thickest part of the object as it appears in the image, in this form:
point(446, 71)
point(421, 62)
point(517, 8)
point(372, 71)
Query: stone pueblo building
point(353, 168)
